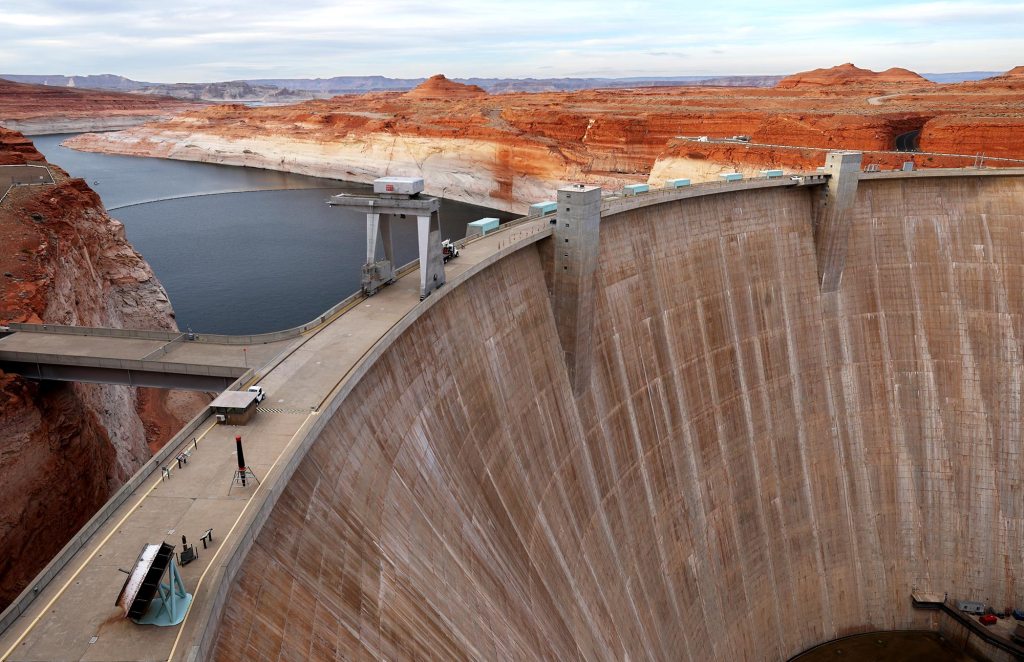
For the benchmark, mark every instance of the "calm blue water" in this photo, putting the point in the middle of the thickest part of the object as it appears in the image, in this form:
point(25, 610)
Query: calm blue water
point(241, 262)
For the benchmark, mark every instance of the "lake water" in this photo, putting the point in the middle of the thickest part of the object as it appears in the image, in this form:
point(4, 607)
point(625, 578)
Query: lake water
point(270, 258)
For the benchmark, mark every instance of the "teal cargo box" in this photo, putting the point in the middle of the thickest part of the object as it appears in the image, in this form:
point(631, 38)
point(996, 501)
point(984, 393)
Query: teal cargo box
point(731, 176)
point(771, 174)
point(541, 208)
point(677, 183)
point(481, 227)
point(633, 189)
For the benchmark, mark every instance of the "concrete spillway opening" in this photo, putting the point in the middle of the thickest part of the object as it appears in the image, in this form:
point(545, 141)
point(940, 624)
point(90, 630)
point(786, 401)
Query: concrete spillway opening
point(754, 465)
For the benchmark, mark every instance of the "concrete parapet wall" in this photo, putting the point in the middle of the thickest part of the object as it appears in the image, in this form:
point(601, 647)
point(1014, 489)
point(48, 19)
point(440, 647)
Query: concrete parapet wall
point(162, 367)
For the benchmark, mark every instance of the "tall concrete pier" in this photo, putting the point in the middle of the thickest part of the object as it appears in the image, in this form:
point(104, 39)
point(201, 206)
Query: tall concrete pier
point(833, 222)
point(576, 249)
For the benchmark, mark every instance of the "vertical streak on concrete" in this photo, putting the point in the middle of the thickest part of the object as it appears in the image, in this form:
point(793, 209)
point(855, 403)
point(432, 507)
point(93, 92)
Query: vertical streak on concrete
point(833, 227)
point(577, 244)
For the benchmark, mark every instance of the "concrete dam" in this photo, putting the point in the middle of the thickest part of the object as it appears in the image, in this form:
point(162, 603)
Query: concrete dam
point(753, 466)
point(729, 422)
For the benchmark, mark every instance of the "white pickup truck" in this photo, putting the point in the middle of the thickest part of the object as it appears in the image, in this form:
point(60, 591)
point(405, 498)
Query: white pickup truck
point(258, 390)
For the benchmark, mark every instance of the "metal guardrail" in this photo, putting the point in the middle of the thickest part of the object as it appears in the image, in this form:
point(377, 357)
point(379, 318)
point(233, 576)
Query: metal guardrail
point(162, 350)
point(138, 334)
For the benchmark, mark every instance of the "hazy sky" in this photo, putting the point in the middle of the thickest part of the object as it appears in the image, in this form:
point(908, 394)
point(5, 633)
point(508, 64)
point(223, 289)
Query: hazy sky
point(208, 40)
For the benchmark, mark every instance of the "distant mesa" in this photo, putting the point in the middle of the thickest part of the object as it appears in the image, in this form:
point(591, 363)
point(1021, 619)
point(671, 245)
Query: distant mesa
point(439, 87)
point(849, 75)
point(1011, 81)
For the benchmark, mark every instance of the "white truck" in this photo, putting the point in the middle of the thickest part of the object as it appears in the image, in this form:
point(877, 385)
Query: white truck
point(260, 394)
point(449, 251)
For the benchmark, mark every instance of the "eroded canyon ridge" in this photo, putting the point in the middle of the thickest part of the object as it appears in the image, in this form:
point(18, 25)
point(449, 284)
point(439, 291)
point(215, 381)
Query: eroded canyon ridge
point(506, 150)
point(65, 448)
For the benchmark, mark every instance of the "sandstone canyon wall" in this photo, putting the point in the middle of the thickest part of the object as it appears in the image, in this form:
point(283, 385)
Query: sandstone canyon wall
point(64, 448)
point(507, 151)
point(40, 109)
point(754, 467)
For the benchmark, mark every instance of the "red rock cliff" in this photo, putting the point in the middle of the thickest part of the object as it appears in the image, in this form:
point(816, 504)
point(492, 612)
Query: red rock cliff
point(64, 448)
point(850, 75)
point(51, 109)
point(508, 150)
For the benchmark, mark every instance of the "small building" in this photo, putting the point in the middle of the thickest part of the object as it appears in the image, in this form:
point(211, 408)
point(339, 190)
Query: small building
point(481, 227)
point(234, 407)
point(633, 189)
point(542, 208)
point(398, 185)
point(771, 174)
point(731, 176)
point(677, 183)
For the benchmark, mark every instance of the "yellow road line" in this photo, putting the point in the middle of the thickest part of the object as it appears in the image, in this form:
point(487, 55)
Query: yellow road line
point(98, 547)
point(319, 327)
point(331, 393)
point(213, 559)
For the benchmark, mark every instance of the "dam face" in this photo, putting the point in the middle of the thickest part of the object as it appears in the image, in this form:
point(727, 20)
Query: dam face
point(754, 468)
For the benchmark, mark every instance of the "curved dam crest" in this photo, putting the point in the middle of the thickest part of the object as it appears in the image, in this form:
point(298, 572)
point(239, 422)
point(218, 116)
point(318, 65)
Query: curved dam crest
point(755, 467)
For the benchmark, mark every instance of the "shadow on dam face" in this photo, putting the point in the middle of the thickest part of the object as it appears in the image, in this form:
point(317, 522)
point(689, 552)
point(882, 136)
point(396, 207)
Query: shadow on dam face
point(755, 468)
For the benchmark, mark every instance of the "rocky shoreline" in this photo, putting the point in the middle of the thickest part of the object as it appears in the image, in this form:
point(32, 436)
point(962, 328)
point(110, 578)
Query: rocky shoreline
point(53, 125)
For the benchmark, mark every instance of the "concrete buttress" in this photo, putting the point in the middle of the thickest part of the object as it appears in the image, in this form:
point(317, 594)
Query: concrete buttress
point(576, 249)
point(833, 227)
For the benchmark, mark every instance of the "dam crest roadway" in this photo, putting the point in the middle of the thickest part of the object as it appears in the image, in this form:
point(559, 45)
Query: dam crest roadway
point(313, 375)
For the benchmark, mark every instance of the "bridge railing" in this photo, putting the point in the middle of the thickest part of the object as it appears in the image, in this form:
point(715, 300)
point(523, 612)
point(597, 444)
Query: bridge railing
point(137, 365)
point(138, 334)
point(211, 338)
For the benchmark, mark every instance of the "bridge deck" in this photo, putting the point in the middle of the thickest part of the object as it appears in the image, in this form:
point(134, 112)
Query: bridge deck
point(55, 347)
point(74, 617)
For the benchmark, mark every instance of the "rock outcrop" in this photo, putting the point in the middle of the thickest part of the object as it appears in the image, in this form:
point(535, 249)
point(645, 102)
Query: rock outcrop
point(16, 149)
point(506, 151)
point(975, 134)
point(850, 75)
point(38, 109)
point(64, 448)
point(439, 87)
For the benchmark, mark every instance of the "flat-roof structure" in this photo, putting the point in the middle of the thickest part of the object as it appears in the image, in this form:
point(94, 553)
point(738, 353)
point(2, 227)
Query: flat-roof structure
point(234, 407)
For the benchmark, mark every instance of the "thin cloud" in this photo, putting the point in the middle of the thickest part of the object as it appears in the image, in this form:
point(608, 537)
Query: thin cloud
point(204, 40)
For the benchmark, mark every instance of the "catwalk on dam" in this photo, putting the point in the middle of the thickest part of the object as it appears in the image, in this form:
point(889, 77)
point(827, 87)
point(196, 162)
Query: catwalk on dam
point(754, 467)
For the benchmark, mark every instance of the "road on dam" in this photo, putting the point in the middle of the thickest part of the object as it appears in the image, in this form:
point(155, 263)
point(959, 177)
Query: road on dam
point(81, 619)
